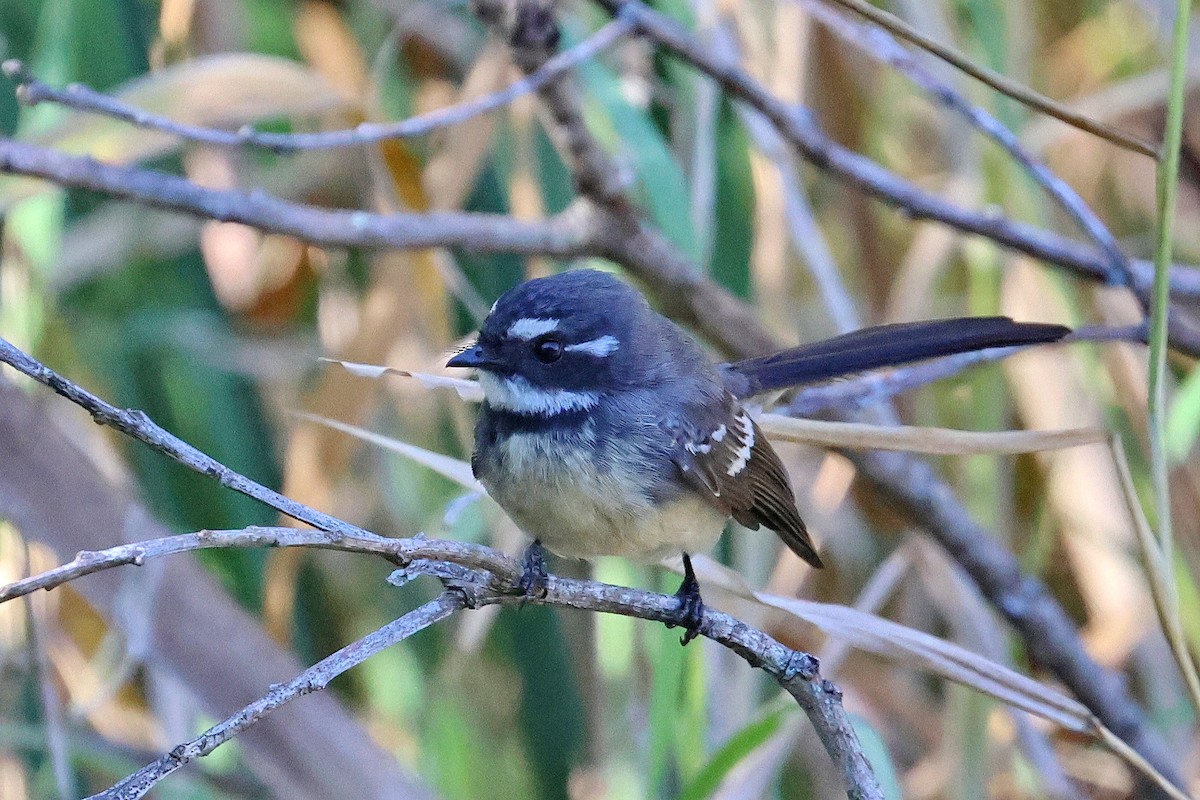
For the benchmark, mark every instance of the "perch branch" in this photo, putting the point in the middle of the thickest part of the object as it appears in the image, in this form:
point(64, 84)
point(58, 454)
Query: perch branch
point(481, 576)
point(796, 672)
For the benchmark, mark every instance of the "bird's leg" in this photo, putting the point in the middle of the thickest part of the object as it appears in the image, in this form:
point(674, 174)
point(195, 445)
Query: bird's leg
point(691, 606)
point(534, 576)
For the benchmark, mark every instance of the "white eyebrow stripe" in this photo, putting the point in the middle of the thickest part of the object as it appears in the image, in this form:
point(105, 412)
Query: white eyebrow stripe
point(600, 347)
point(531, 327)
point(516, 394)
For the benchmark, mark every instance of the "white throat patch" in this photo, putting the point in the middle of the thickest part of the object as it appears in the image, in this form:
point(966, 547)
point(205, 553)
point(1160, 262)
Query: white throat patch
point(516, 394)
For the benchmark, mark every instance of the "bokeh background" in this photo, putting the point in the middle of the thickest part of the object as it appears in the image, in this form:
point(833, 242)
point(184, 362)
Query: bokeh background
point(215, 330)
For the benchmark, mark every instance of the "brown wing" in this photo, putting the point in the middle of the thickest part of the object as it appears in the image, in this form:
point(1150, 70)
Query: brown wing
point(734, 466)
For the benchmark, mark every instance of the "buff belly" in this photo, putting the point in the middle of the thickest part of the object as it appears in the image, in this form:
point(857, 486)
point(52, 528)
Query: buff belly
point(556, 492)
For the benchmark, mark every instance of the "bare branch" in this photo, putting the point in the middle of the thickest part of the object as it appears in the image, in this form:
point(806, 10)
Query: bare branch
point(32, 91)
point(484, 577)
point(562, 236)
point(796, 672)
point(313, 679)
point(569, 235)
point(531, 31)
point(880, 45)
point(139, 426)
point(801, 130)
point(1001, 83)
point(398, 551)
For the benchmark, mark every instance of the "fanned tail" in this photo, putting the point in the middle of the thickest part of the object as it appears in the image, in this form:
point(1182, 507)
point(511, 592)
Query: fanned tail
point(884, 346)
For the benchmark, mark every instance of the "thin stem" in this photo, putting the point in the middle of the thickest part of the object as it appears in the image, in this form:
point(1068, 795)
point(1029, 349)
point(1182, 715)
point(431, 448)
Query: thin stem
point(1001, 83)
point(82, 98)
point(313, 679)
point(1168, 182)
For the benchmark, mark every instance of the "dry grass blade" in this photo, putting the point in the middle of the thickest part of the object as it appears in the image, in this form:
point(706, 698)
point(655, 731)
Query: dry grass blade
point(1134, 758)
point(467, 390)
point(452, 468)
point(915, 648)
point(938, 441)
point(1158, 572)
point(939, 656)
point(913, 439)
point(923, 651)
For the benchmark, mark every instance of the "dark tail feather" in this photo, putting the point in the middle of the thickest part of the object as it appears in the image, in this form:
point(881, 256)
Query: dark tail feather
point(884, 346)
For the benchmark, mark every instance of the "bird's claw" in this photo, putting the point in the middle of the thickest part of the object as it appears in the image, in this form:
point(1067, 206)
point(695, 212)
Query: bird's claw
point(534, 580)
point(691, 605)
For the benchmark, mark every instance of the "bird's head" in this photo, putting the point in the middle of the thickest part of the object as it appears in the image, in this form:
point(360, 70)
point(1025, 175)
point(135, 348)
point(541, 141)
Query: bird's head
point(557, 344)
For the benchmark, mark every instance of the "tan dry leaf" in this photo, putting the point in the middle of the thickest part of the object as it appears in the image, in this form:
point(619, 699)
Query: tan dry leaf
point(452, 468)
point(467, 390)
point(226, 91)
point(913, 648)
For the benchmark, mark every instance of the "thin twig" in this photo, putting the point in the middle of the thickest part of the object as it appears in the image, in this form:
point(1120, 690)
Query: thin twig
point(398, 551)
point(565, 236)
point(799, 127)
point(137, 425)
point(313, 679)
point(796, 672)
point(561, 236)
point(483, 577)
point(806, 236)
point(879, 44)
point(530, 29)
point(1001, 83)
point(32, 91)
point(1160, 577)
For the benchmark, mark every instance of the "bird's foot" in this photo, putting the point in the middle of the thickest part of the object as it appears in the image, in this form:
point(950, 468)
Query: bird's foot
point(691, 606)
point(534, 579)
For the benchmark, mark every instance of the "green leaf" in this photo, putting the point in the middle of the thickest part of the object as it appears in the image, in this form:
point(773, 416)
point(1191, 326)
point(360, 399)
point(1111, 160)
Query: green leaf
point(740, 745)
point(1183, 419)
point(733, 230)
point(666, 693)
point(877, 753)
point(634, 139)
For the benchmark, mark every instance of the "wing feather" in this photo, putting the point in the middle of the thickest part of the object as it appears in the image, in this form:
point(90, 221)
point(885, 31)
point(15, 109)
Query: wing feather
point(730, 463)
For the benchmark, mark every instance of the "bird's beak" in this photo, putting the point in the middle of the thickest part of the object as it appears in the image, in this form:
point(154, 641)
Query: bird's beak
point(473, 357)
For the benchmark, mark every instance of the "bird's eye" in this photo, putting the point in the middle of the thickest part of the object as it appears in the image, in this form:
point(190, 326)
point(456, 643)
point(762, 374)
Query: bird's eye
point(547, 349)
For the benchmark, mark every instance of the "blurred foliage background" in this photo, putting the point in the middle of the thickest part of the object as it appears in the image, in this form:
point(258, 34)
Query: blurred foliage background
point(214, 330)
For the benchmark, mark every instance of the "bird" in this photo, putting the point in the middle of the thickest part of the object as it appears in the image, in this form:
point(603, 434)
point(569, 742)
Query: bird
point(606, 429)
